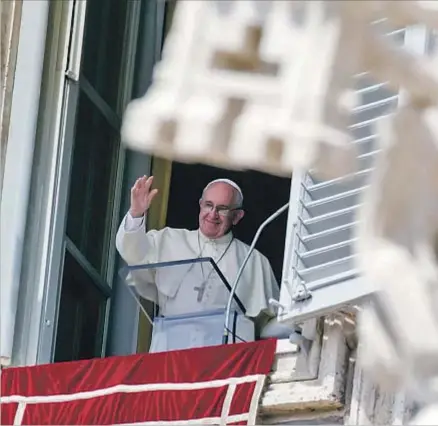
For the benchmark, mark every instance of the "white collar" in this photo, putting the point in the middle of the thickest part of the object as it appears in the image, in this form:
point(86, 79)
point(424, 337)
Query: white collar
point(225, 239)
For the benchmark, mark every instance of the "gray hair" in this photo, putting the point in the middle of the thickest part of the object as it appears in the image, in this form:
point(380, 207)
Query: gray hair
point(238, 194)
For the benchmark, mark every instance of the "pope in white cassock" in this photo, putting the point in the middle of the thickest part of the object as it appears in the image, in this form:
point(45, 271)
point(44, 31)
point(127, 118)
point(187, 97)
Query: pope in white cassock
point(191, 303)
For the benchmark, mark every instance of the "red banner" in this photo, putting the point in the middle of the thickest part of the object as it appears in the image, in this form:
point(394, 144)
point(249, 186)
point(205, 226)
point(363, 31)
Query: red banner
point(211, 385)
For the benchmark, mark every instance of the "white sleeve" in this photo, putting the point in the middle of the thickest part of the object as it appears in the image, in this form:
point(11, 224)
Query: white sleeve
point(134, 244)
point(133, 223)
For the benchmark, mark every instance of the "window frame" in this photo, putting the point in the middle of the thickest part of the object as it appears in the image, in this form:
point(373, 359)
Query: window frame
point(102, 278)
point(29, 43)
point(45, 241)
point(45, 199)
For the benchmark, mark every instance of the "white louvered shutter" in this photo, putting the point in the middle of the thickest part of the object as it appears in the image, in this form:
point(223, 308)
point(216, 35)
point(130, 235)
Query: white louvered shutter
point(319, 252)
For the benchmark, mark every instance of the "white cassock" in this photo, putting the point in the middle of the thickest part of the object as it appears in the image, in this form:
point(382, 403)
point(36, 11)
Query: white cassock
point(192, 299)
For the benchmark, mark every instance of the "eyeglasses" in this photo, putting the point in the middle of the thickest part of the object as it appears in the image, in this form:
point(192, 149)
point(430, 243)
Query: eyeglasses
point(209, 207)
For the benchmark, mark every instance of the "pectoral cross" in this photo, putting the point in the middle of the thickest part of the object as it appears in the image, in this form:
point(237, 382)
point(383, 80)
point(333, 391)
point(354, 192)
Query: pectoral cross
point(201, 291)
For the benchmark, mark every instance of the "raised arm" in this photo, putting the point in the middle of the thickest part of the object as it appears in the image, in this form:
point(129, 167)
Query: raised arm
point(132, 241)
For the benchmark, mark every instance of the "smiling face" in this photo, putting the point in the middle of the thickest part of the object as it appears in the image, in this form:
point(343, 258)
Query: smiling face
point(218, 210)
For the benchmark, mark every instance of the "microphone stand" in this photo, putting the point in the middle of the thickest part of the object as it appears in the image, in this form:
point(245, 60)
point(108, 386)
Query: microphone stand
point(245, 261)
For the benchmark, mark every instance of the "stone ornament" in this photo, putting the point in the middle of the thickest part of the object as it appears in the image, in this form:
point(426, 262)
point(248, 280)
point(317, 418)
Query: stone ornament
point(397, 246)
point(242, 98)
point(268, 85)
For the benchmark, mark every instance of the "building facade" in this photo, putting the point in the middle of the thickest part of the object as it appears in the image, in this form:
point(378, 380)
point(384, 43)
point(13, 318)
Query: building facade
point(69, 69)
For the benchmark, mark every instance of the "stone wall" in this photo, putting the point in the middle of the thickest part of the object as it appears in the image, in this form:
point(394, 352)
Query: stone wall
point(10, 33)
point(328, 386)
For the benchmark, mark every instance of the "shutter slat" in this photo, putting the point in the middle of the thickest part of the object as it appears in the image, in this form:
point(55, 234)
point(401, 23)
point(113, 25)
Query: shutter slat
point(326, 254)
point(373, 110)
point(375, 104)
point(348, 183)
point(329, 271)
point(366, 124)
point(366, 160)
point(370, 89)
point(397, 36)
point(363, 130)
point(334, 277)
point(333, 203)
point(399, 32)
point(313, 187)
point(328, 236)
point(332, 219)
point(366, 144)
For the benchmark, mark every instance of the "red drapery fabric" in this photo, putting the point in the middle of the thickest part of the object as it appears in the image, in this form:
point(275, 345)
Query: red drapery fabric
point(211, 385)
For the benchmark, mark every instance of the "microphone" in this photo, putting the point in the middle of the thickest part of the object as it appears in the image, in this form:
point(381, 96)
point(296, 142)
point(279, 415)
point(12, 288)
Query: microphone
point(245, 261)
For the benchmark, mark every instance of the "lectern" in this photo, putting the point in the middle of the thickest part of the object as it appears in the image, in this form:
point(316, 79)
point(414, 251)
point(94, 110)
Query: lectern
point(187, 325)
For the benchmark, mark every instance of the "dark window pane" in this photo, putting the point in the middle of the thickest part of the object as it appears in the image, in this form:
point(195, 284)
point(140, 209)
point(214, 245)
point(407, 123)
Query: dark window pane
point(92, 183)
point(103, 46)
point(81, 315)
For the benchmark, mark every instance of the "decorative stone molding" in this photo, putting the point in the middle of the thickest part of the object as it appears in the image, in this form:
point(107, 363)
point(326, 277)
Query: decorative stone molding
point(342, 392)
point(286, 398)
point(292, 364)
point(369, 404)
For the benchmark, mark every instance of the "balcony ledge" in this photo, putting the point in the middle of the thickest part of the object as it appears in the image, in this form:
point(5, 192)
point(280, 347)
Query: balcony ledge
point(290, 389)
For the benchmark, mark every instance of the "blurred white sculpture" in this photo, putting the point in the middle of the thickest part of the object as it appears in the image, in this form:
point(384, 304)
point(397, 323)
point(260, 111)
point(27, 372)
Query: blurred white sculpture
point(397, 246)
point(235, 90)
point(267, 85)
